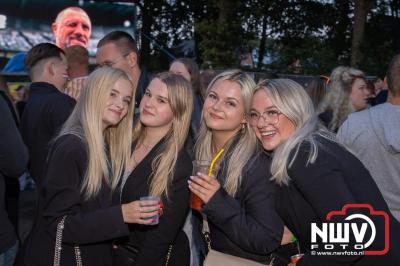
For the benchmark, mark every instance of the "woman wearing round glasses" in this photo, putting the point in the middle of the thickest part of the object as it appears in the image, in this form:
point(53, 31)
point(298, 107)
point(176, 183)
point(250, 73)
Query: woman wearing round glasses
point(316, 175)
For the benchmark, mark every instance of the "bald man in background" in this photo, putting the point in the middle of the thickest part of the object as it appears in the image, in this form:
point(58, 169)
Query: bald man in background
point(72, 27)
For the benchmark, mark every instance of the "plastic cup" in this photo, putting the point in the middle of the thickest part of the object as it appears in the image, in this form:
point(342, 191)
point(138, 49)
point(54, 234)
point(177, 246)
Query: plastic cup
point(295, 258)
point(199, 167)
point(156, 217)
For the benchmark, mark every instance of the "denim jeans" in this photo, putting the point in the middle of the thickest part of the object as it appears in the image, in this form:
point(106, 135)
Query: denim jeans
point(7, 258)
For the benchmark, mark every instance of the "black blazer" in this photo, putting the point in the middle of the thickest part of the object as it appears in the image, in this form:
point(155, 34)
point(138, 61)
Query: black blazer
point(45, 112)
point(336, 178)
point(13, 161)
point(247, 225)
point(151, 243)
point(90, 223)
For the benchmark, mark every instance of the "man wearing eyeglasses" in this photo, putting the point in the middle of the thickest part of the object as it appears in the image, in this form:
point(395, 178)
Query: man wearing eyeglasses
point(118, 49)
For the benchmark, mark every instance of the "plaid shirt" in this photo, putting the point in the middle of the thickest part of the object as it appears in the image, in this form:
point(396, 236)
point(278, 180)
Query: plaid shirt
point(74, 87)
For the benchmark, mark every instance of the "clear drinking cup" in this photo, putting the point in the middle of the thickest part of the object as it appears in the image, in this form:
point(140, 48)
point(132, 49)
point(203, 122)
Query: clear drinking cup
point(199, 167)
point(156, 217)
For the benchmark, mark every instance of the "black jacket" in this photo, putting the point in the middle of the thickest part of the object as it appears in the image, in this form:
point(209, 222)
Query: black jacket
point(13, 161)
point(152, 242)
point(247, 225)
point(45, 112)
point(336, 178)
point(90, 223)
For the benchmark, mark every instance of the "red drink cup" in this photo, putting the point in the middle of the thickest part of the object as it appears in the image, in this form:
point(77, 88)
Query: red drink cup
point(198, 167)
point(195, 202)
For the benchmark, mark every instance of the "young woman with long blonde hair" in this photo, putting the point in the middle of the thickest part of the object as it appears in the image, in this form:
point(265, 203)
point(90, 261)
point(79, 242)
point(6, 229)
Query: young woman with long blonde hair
point(159, 166)
point(239, 202)
point(86, 160)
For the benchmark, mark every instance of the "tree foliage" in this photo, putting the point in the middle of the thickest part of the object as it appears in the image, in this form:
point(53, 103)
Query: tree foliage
point(318, 34)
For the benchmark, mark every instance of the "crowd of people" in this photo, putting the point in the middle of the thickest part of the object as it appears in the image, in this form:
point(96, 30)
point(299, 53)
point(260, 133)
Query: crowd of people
point(111, 153)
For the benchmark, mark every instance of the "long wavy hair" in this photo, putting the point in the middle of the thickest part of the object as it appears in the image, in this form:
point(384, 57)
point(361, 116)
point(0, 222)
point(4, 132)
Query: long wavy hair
point(180, 99)
point(293, 101)
point(246, 145)
point(337, 100)
point(108, 150)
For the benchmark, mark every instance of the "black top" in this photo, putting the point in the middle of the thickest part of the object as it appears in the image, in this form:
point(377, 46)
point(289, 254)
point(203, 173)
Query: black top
point(90, 223)
point(336, 178)
point(45, 112)
point(326, 118)
point(247, 225)
point(13, 161)
point(152, 242)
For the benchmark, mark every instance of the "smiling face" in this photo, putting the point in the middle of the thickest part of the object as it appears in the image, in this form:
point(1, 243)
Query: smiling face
point(223, 108)
point(270, 134)
point(117, 103)
point(155, 110)
point(72, 28)
point(359, 94)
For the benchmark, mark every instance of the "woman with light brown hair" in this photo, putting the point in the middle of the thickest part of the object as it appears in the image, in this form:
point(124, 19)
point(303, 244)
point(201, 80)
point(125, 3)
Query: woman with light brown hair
point(159, 166)
point(187, 68)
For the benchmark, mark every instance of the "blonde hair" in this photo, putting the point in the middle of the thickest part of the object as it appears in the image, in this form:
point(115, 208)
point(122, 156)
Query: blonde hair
point(180, 100)
point(108, 151)
point(337, 99)
point(293, 101)
point(246, 145)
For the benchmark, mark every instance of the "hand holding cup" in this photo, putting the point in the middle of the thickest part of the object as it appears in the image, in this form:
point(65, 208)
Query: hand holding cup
point(141, 211)
point(203, 186)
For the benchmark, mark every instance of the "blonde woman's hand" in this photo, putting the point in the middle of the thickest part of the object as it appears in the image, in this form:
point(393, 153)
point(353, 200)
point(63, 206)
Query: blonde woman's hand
point(139, 212)
point(204, 186)
point(287, 236)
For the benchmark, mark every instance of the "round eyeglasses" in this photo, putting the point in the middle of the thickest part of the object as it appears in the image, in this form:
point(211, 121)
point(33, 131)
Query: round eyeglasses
point(270, 117)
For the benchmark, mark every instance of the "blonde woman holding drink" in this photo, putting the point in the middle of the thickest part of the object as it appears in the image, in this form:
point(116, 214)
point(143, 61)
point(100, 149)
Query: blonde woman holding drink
point(239, 200)
point(75, 214)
